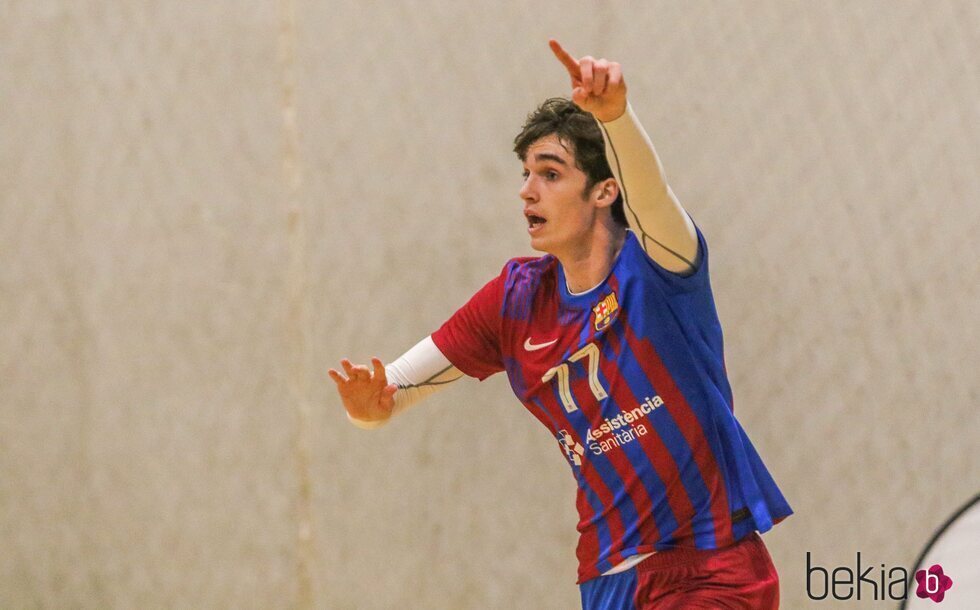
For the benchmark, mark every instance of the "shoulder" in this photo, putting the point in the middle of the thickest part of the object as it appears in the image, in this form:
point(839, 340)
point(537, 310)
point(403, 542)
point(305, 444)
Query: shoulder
point(522, 280)
point(518, 281)
point(671, 281)
point(526, 274)
point(525, 268)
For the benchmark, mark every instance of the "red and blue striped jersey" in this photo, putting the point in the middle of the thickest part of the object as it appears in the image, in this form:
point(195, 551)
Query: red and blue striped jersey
point(630, 378)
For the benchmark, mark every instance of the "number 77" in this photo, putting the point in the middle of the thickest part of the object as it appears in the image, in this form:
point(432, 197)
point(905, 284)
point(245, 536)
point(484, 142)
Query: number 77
point(590, 351)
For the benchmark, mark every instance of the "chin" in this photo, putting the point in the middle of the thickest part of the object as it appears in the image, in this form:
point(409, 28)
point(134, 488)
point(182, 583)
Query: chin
point(540, 245)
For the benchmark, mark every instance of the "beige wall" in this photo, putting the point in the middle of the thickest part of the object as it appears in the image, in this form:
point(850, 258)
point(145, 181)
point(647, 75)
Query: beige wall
point(203, 206)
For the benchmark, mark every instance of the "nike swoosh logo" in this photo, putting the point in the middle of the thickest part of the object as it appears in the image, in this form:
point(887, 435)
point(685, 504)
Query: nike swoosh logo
point(532, 347)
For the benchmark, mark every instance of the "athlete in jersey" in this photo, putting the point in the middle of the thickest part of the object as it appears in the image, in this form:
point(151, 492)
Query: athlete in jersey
point(629, 377)
point(612, 341)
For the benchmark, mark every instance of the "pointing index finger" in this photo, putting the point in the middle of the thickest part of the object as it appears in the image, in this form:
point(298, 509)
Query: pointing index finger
point(570, 63)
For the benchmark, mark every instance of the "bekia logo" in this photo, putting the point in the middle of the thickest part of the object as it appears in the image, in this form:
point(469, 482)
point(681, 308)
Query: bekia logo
point(873, 582)
point(844, 584)
point(933, 584)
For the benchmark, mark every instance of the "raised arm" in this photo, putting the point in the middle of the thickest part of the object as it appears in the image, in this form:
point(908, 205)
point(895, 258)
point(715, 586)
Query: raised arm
point(372, 397)
point(666, 231)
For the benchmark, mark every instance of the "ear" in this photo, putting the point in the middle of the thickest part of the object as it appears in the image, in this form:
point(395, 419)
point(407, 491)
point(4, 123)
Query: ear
point(605, 192)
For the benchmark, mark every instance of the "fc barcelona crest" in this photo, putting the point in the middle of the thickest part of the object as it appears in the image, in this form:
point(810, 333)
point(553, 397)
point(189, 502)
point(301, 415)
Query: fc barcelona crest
point(606, 312)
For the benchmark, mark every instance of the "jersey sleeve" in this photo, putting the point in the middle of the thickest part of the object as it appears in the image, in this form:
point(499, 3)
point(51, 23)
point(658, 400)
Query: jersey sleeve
point(470, 339)
point(694, 279)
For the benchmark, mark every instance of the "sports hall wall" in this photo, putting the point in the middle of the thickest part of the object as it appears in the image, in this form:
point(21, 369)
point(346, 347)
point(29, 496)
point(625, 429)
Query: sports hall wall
point(204, 206)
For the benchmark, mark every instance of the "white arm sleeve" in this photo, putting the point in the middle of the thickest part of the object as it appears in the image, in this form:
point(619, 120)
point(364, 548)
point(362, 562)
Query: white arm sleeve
point(419, 372)
point(665, 230)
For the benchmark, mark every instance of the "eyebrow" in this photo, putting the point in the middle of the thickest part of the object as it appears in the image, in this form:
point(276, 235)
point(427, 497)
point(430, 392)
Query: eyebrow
point(550, 157)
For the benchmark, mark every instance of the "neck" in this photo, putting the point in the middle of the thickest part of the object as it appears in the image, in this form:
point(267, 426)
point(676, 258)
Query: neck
point(588, 264)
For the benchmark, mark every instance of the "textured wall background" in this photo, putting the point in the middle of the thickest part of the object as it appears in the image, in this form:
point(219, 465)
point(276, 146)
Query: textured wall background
point(202, 207)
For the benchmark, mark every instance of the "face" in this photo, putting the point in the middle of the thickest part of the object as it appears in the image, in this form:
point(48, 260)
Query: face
point(559, 215)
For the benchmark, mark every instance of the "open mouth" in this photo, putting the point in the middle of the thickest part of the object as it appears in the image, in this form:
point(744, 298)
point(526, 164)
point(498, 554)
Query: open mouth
point(534, 221)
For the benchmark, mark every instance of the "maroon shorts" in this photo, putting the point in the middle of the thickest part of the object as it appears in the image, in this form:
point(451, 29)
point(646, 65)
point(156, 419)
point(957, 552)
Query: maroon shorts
point(738, 576)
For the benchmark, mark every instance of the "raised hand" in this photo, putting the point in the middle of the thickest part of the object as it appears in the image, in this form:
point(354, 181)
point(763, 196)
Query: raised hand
point(366, 394)
point(597, 84)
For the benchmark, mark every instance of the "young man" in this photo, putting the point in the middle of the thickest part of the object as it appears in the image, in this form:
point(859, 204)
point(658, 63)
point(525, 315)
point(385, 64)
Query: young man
point(612, 341)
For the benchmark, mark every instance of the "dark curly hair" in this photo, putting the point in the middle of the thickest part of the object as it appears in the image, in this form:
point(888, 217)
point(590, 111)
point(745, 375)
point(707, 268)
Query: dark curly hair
point(577, 130)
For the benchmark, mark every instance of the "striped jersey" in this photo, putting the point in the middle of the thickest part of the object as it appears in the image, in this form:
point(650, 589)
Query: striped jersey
point(630, 379)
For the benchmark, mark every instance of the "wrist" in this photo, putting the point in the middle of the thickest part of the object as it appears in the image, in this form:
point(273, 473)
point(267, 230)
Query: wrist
point(615, 115)
point(367, 424)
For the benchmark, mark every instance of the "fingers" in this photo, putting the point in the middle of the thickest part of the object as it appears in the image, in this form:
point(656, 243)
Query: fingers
point(337, 377)
point(586, 65)
point(590, 77)
point(615, 78)
point(388, 396)
point(348, 368)
point(599, 74)
point(379, 372)
point(358, 372)
point(567, 60)
point(355, 372)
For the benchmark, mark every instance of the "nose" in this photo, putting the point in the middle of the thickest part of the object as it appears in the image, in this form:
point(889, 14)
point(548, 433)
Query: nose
point(528, 193)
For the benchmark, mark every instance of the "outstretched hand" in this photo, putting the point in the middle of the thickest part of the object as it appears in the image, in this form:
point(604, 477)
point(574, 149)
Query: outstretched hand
point(597, 84)
point(366, 394)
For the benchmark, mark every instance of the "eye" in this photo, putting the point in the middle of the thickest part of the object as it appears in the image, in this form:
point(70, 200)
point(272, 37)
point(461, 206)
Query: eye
point(525, 174)
point(551, 175)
